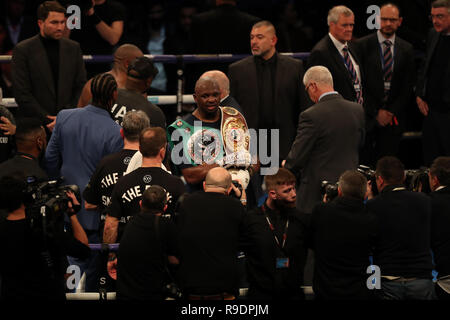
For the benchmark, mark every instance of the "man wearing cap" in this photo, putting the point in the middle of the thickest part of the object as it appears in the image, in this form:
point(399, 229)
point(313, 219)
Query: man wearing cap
point(140, 75)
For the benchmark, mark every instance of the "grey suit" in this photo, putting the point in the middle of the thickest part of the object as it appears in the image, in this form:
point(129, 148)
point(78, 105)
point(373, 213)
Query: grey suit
point(33, 83)
point(329, 135)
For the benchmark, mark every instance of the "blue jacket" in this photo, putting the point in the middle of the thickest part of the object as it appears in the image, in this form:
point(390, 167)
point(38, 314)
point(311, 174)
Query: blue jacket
point(80, 139)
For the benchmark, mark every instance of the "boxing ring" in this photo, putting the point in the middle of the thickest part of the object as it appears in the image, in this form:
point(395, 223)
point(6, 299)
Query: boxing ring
point(178, 99)
point(180, 60)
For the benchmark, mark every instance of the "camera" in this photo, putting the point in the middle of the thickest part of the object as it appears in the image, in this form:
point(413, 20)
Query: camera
point(46, 202)
point(370, 176)
point(417, 180)
point(329, 189)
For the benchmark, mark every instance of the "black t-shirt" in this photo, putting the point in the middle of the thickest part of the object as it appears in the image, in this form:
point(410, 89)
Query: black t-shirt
point(110, 169)
point(24, 272)
point(89, 38)
point(129, 189)
point(128, 100)
point(141, 264)
point(25, 164)
point(210, 225)
point(266, 281)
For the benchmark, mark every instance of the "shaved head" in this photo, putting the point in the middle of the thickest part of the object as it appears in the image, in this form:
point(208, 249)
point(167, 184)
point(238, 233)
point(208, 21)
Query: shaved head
point(206, 81)
point(221, 79)
point(125, 54)
point(218, 178)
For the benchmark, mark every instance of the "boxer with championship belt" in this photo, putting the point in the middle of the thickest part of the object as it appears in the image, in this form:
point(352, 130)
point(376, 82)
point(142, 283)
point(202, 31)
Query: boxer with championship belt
point(209, 137)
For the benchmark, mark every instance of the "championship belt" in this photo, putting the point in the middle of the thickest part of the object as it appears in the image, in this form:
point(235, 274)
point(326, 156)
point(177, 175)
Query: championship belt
point(200, 144)
point(236, 141)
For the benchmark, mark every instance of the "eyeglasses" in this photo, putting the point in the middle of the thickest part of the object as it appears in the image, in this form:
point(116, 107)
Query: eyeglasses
point(438, 16)
point(391, 20)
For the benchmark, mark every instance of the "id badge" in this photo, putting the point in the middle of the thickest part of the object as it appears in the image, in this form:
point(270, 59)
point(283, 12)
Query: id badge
point(357, 87)
point(282, 263)
point(387, 85)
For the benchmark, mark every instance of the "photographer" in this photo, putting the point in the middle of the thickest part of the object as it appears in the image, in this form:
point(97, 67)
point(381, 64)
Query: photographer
point(33, 261)
point(149, 241)
point(210, 224)
point(341, 234)
point(439, 177)
point(402, 247)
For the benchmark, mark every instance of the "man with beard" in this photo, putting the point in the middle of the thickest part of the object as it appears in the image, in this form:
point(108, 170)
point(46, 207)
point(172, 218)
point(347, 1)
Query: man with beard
point(388, 63)
point(48, 71)
point(274, 245)
point(31, 142)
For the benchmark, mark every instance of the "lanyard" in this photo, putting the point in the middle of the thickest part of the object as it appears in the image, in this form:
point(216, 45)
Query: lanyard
point(272, 228)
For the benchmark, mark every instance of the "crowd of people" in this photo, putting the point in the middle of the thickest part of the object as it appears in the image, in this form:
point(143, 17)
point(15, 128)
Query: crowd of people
point(231, 195)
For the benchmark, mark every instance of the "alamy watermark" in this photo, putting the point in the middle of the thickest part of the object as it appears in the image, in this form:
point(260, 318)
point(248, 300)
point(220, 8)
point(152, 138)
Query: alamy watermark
point(205, 145)
point(74, 18)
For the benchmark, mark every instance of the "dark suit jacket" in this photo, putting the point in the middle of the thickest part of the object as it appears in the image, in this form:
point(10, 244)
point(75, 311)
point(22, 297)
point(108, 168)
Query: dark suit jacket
point(440, 237)
point(402, 246)
point(33, 83)
point(325, 54)
point(289, 96)
point(432, 40)
point(403, 78)
point(342, 235)
point(329, 136)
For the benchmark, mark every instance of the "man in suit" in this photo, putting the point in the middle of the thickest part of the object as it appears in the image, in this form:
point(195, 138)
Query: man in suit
point(433, 96)
point(48, 70)
point(402, 245)
point(439, 178)
point(329, 135)
point(337, 54)
point(268, 86)
point(19, 25)
point(342, 234)
point(387, 62)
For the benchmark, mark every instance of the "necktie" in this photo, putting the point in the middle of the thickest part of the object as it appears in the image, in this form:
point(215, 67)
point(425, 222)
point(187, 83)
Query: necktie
point(353, 75)
point(387, 67)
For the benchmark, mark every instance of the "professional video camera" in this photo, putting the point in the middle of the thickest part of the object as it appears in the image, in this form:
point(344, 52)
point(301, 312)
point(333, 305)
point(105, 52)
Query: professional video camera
point(46, 202)
point(329, 189)
point(370, 176)
point(417, 180)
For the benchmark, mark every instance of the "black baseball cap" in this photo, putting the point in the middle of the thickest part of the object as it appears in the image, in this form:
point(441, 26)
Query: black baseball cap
point(143, 68)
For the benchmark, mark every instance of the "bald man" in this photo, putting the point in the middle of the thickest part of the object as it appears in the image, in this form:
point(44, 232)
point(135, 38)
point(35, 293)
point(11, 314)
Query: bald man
point(268, 86)
point(210, 224)
point(202, 145)
point(224, 85)
point(123, 56)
